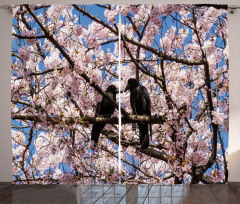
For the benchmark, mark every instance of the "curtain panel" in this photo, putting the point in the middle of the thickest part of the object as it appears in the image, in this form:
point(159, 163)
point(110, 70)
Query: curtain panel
point(104, 94)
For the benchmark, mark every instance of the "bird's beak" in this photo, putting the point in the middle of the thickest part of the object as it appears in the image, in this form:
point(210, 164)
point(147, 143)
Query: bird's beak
point(117, 91)
point(127, 88)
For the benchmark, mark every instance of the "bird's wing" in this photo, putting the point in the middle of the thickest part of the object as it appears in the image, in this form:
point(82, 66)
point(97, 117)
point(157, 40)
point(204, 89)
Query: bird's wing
point(105, 107)
point(98, 109)
point(146, 100)
point(147, 110)
point(133, 104)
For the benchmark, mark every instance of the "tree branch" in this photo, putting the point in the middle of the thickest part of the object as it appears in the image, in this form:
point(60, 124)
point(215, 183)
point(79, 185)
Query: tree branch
point(95, 120)
point(207, 79)
point(70, 61)
point(29, 37)
point(155, 51)
point(134, 26)
point(94, 18)
point(29, 28)
point(137, 65)
point(163, 55)
point(113, 136)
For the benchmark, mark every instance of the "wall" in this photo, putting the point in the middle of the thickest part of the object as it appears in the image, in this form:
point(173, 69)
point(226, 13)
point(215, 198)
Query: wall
point(5, 59)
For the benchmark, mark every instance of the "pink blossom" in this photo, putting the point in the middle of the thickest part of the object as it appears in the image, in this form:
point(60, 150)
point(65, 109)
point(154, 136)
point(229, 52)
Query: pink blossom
point(24, 52)
point(78, 29)
point(218, 117)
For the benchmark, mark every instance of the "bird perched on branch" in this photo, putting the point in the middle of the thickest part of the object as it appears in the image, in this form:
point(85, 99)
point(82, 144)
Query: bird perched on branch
point(141, 104)
point(105, 109)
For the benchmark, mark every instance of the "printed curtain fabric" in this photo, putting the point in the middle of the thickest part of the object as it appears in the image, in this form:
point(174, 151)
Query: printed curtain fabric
point(105, 94)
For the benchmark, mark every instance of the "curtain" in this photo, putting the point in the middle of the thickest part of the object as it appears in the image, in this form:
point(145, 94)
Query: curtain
point(107, 93)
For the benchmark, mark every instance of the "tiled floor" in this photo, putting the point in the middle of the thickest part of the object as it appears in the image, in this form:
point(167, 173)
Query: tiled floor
point(110, 194)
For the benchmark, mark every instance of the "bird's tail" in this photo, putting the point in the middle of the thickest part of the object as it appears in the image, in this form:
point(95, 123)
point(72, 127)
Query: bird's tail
point(144, 136)
point(150, 132)
point(96, 130)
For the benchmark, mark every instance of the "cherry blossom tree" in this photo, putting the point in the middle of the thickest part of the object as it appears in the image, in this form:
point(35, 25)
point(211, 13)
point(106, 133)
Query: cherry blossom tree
point(65, 56)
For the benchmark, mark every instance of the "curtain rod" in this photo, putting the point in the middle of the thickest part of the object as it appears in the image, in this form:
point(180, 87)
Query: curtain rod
point(231, 8)
point(7, 7)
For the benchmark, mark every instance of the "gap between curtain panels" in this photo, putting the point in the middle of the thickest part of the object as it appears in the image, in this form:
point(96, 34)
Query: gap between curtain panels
point(119, 99)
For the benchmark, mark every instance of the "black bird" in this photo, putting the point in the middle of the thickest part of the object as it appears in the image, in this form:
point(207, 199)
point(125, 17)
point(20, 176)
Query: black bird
point(106, 109)
point(141, 104)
